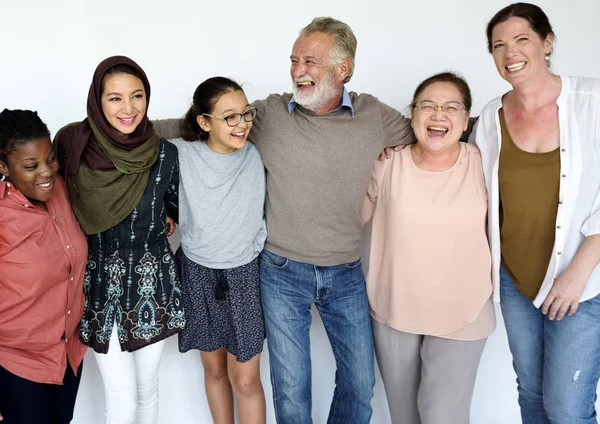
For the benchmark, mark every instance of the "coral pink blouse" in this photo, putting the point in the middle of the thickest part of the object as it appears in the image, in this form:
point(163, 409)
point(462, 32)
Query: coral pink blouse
point(430, 263)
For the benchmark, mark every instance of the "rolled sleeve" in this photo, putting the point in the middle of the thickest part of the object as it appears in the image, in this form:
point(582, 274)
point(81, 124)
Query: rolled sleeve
point(591, 226)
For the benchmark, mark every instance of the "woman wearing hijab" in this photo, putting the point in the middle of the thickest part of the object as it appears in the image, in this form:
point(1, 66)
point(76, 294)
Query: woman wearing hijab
point(123, 183)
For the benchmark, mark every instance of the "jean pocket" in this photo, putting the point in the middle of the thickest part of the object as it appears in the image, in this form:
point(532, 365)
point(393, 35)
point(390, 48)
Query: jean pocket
point(353, 264)
point(272, 260)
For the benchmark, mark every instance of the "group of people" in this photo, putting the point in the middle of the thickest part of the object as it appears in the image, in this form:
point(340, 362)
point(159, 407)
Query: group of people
point(272, 226)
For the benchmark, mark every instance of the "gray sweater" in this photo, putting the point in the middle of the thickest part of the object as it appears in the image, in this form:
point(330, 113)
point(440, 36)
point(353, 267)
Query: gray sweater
point(318, 170)
point(221, 204)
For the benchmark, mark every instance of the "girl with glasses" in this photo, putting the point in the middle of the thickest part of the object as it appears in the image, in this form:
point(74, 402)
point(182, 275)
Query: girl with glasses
point(222, 193)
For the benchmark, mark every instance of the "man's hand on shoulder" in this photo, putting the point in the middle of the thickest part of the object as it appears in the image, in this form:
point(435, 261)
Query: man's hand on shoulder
point(388, 151)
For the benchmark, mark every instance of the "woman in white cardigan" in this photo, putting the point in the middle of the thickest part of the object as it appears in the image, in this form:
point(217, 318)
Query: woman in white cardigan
point(540, 146)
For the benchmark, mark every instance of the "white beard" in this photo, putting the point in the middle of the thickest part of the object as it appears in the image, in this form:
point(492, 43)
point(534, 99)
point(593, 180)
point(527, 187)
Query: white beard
point(322, 94)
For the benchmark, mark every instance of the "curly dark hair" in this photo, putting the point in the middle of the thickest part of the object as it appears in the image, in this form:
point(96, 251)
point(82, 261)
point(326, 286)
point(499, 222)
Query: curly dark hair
point(19, 127)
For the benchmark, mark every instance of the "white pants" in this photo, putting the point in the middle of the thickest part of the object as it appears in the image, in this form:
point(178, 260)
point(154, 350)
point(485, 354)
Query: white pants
point(130, 382)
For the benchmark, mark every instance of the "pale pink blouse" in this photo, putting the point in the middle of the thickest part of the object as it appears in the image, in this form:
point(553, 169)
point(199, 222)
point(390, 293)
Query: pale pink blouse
point(430, 263)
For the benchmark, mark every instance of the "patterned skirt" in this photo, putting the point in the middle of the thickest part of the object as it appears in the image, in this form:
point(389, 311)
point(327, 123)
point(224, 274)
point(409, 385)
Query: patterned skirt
point(222, 309)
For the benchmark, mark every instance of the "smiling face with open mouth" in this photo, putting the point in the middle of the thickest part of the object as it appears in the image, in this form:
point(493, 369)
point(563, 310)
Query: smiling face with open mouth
point(223, 138)
point(32, 168)
point(519, 52)
point(317, 83)
point(124, 101)
point(437, 130)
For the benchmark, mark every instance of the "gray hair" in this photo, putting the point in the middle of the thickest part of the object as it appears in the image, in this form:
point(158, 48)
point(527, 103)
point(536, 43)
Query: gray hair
point(345, 41)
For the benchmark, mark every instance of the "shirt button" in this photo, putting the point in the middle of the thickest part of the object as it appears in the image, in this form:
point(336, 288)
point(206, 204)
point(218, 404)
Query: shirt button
point(68, 246)
point(26, 206)
point(7, 184)
point(558, 253)
point(558, 226)
point(69, 312)
point(9, 193)
point(563, 150)
point(66, 340)
point(564, 175)
point(71, 278)
point(560, 202)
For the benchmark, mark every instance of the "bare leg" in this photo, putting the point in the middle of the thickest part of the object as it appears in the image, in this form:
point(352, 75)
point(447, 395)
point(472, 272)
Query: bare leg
point(245, 378)
point(218, 388)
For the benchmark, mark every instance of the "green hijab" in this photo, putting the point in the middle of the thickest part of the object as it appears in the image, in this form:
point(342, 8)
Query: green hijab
point(106, 171)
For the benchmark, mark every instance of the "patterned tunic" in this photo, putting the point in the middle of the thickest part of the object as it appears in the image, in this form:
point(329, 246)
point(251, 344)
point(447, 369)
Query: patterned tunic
point(131, 276)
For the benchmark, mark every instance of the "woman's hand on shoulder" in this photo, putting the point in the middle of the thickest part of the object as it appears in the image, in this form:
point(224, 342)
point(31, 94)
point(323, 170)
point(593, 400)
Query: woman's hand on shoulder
point(169, 226)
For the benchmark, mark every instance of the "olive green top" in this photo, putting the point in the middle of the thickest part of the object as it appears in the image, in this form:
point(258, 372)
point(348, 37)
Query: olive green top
point(529, 185)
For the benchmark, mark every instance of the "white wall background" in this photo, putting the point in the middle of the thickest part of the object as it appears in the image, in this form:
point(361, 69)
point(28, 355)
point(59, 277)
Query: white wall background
point(49, 50)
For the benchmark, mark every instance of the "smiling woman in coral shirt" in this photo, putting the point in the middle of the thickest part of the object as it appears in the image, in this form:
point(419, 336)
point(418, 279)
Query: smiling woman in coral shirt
point(42, 257)
point(429, 282)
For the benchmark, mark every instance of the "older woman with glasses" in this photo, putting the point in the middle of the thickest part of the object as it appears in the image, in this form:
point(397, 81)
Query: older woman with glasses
point(429, 282)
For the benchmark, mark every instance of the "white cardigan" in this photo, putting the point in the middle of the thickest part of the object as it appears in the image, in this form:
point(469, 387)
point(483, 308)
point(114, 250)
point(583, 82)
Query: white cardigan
point(578, 213)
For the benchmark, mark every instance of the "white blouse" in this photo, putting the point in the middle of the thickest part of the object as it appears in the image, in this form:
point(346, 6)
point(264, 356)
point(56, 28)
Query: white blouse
point(578, 214)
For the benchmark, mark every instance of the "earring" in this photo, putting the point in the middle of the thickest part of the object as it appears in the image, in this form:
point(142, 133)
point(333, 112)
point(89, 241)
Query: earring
point(3, 177)
point(547, 57)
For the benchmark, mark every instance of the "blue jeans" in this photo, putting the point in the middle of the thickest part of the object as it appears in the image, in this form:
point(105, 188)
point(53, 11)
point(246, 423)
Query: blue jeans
point(288, 290)
point(557, 362)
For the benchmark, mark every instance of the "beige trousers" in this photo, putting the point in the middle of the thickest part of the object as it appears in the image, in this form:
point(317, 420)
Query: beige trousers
point(427, 379)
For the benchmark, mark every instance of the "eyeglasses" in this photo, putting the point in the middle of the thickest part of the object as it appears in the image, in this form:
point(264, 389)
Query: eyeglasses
point(450, 108)
point(235, 118)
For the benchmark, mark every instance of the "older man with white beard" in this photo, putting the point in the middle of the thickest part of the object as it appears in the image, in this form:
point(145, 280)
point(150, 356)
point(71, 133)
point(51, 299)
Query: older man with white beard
point(318, 146)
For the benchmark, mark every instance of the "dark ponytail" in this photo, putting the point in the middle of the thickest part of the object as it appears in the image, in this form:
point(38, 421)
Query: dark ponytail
point(189, 127)
point(206, 96)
